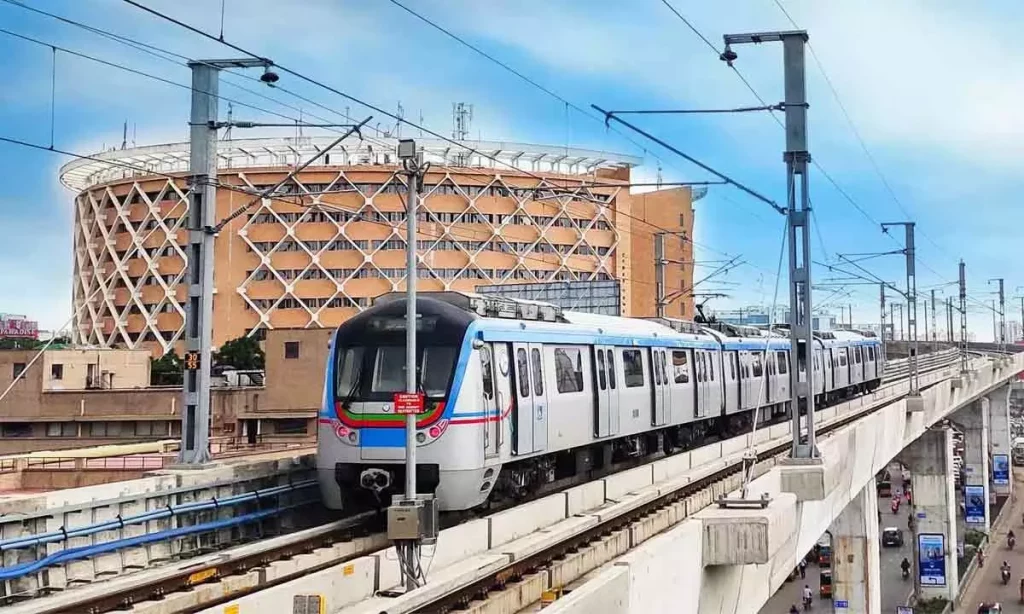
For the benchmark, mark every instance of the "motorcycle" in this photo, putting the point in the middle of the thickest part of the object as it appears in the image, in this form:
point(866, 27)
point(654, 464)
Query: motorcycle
point(1011, 541)
point(906, 574)
point(807, 604)
point(1005, 574)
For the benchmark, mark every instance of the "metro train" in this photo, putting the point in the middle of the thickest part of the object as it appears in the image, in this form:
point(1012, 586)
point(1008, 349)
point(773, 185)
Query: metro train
point(520, 395)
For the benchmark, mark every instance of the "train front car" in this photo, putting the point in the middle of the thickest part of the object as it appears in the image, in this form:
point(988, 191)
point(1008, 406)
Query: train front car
point(361, 440)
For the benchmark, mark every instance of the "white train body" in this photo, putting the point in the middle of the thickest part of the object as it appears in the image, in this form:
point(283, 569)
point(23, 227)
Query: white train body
point(515, 403)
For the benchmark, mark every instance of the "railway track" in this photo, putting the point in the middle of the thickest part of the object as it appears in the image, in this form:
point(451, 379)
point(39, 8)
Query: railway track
point(239, 571)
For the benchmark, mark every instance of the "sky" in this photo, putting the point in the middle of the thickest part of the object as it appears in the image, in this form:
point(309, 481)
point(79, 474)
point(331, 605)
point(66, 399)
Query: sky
point(913, 115)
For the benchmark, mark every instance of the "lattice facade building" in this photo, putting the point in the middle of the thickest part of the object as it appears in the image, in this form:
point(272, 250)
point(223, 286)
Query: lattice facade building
point(333, 238)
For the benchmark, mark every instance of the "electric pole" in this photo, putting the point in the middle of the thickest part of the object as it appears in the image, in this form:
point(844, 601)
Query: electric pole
point(910, 251)
point(925, 305)
point(202, 217)
point(935, 329)
point(659, 274)
point(798, 214)
point(1001, 330)
point(412, 519)
point(949, 319)
point(963, 317)
point(881, 304)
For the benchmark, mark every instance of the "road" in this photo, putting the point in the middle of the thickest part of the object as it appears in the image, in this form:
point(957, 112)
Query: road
point(894, 589)
point(986, 584)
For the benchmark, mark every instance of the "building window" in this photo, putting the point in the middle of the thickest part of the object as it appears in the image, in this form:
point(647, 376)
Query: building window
point(97, 429)
point(57, 371)
point(19, 368)
point(291, 349)
point(62, 429)
point(16, 429)
point(290, 426)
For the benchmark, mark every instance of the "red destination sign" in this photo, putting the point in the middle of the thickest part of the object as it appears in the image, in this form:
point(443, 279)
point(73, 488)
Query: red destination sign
point(18, 327)
point(408, 403)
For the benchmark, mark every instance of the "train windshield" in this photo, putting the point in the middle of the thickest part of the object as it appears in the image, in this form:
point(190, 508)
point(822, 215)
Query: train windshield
point(376, 373)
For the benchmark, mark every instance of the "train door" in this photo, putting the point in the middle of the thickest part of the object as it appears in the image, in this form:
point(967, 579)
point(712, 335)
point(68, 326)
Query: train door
point(540, 405)
point(658, 387)
point(604, 391)
point(729, 376)
point(782, 387)
point(683, 407)
point(495, 389)
point(530, 409)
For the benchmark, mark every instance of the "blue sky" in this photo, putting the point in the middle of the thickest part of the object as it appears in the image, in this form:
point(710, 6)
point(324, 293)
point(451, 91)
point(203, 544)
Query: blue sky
point(930, 86)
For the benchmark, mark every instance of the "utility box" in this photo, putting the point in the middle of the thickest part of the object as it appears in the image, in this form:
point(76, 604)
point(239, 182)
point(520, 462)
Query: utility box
point(413, 519)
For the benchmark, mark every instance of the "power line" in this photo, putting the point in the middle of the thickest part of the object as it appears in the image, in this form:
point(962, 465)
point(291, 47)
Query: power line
point(856, 131)
point(354, 99)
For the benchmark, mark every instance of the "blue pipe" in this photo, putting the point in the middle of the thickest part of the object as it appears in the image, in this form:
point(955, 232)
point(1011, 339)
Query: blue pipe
point(82, 552)
point(164, 512)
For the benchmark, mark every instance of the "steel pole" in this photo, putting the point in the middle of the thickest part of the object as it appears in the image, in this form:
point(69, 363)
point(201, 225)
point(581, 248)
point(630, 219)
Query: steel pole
point(198, 337)
point(881, 304)
point(410, 333)
point(659, 274)
point(963, 317)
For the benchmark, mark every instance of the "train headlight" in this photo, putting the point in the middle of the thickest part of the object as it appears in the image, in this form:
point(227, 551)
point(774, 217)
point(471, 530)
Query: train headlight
point(420, 437)
point(353, 436)
point(435, 432)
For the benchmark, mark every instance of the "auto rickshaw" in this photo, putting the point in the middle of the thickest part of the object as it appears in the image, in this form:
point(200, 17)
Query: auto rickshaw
point(826, 584)
point(824, 555)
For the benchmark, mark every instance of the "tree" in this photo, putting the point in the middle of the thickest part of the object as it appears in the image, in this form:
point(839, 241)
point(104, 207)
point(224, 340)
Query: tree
point(242, 353)
point(166, 370)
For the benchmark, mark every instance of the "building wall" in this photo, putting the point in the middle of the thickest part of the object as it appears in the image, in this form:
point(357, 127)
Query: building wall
point(325, 266)
point(295, 386)
point(670, 211)
point(115, 369)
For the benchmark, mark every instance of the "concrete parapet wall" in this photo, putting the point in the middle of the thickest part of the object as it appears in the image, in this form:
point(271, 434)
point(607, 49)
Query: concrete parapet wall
point(27, 515)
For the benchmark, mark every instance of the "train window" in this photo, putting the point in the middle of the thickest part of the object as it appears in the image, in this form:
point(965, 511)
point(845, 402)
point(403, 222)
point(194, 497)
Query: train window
point(538, 372)
point(781, 356)
point(633, 368)
point(523, 373)
point(756, 368)
point(842, 357)
point(568, 370)
point(436, 369)
point(711, 365)
point(732, 366)
point(601, 379)
point(698, 366)
point(654, 368)
point(350, 363)
point(488, 372)
point(661, 364)
point(611, 369)
point(856, 354)
point(389, 371)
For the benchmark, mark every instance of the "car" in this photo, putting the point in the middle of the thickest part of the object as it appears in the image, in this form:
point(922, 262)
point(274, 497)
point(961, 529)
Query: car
point(990, 608)
point(892, 536)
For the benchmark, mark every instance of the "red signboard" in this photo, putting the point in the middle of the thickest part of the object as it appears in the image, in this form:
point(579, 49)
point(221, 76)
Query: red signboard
point(408, 403)
point(18, 327)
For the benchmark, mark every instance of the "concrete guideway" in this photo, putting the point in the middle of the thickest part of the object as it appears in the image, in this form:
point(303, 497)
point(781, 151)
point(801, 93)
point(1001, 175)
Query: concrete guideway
point(733, 561)
point(477, 549)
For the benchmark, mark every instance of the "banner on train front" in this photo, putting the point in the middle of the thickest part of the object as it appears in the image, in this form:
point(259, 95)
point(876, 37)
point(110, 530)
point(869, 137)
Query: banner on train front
point(931, 552)
point(1001, 469)
point(974, 504)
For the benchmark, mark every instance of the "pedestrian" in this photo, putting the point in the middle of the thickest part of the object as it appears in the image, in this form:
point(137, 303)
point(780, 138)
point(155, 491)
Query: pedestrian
point(803, 568)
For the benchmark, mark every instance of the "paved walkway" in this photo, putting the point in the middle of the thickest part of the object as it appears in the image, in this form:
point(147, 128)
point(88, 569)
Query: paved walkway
point(986, 584)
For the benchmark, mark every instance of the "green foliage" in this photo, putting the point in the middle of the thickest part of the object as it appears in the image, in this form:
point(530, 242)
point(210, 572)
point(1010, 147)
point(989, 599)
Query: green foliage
point(935, 605)
point(166, 370)
point(974, 537)
point(11, 343)
point(242, 353)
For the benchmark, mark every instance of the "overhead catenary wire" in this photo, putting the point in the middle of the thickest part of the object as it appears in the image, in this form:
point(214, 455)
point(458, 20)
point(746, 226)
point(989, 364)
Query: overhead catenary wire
point(350, 97)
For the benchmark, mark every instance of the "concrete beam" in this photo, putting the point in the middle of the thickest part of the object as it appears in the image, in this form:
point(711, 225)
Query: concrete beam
point(855, 558)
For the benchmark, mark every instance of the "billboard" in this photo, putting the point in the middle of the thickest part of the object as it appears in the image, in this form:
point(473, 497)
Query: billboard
point(17, 327)
point(931, 556)
point(974, 504)
point(1001, 469)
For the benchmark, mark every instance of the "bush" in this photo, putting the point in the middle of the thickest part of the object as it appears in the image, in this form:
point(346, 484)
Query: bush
point(974, 537)
point(935, 605)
